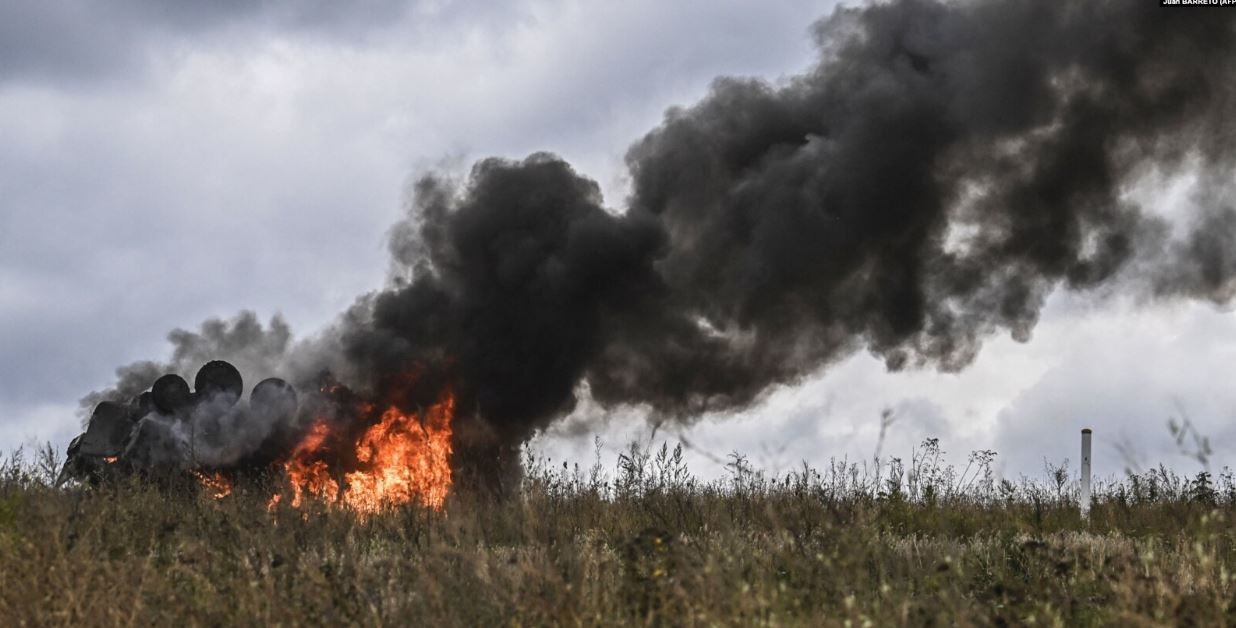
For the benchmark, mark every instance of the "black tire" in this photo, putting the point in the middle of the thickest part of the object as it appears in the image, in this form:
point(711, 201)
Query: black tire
point(273, 399)
point(219, 379)
point(170, 394)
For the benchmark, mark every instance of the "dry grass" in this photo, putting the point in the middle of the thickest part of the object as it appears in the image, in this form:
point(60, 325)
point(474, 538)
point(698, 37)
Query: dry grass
point(645, 544)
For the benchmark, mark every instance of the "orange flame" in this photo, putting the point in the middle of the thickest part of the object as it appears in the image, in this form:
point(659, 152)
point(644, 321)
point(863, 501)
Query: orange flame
point(406, 457)
point(311, 477)
point(403, 458)
point(215, 484)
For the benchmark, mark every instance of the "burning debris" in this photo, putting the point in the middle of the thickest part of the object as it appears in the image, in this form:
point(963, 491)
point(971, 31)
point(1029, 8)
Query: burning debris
point(333, 447)
point(172, 428)
point(402, 458)
point(943, 169)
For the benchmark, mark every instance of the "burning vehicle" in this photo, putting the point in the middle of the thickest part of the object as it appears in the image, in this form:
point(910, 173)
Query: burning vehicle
point(170, 428)
point(335, 446)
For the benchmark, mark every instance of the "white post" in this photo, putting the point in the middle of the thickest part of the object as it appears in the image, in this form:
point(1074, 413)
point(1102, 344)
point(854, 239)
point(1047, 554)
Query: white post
point(1085, 475)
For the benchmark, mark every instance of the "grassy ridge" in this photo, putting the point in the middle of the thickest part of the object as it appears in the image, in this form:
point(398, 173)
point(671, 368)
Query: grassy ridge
point(642, 544)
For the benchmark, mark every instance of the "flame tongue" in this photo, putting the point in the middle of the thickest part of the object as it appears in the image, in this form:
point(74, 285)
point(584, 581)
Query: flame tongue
point(307, 476)
point(405, 457)
point(216, 484)
point(402, 458)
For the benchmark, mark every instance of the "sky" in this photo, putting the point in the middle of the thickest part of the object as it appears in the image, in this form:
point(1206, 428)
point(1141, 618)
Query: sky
point(166, 162)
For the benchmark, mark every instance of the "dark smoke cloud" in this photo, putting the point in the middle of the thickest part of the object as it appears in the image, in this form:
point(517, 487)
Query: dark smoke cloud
point(940, 172)
point(930, 182)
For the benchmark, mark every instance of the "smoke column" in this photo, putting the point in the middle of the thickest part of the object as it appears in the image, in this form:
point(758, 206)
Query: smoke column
point(942, 169)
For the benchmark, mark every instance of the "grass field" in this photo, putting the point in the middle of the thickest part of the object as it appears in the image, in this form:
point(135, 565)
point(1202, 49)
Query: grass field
point(640, 543)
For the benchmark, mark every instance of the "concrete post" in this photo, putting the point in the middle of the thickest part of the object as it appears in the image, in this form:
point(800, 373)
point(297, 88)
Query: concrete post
point(1085, 474)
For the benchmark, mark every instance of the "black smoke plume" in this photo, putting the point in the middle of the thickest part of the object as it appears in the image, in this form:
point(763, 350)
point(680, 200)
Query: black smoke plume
point(942, 169)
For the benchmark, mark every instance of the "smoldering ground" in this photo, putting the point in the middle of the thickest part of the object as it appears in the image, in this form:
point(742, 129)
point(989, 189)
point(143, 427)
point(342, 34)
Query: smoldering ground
point(941, 170)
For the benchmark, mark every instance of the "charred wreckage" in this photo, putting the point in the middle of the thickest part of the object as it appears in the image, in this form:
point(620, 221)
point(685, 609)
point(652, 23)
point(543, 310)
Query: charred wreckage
point(172, 429)
point(333, 445)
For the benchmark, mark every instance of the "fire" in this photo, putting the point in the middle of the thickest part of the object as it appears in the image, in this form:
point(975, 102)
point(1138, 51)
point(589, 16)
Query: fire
point(402, 458)
point(110, 459)
point(311, 479)
point(405, 458)
point(306, 476)
point(215, 484)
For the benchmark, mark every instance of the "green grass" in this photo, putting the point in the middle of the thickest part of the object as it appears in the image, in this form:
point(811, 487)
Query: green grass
point(644, 543)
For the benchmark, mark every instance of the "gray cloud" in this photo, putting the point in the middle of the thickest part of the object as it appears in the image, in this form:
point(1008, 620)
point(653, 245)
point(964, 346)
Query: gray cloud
point(84, 40)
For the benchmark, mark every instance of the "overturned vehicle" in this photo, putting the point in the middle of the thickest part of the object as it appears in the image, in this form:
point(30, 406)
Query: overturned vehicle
point(171, 429)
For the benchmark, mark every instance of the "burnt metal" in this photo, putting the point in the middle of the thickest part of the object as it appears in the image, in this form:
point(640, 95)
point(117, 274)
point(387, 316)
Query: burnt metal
point(108, 430)
point(154, 448)
point(141, 406)
point(163, 433)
